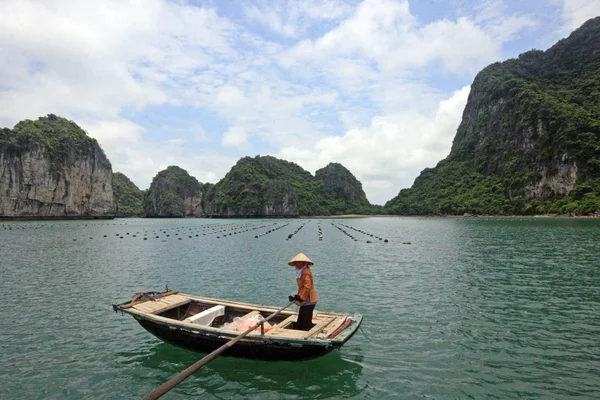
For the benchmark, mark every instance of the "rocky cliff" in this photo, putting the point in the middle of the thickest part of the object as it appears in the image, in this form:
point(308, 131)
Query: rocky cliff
point(50, 168)
point(343, 187)
point(174, 193)
point(529, 140)
point(128, 197)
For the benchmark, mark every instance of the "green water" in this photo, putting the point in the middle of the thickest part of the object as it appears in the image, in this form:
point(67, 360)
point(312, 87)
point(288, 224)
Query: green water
point(472, 308)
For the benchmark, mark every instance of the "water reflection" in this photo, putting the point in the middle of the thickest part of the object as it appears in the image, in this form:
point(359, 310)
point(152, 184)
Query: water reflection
point(334, 375)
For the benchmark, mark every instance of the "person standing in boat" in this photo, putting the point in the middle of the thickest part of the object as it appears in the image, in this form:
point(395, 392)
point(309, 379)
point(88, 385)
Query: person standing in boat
point(306, 298)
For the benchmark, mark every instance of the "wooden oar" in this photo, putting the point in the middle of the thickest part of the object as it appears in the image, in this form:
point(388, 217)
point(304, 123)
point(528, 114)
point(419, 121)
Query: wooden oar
point(180, 377)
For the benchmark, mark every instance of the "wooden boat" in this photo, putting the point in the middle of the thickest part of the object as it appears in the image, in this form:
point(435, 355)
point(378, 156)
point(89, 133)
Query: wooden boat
point(204, 324)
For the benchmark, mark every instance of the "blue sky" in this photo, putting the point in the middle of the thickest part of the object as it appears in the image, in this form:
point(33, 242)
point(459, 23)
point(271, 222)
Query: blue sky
point(376, 85)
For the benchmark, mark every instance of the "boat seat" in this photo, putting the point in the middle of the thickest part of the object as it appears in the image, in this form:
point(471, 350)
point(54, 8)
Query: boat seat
point(206, 317)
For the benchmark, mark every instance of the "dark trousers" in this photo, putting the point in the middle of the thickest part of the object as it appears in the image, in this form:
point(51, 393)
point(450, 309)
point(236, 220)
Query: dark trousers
point(305, 318)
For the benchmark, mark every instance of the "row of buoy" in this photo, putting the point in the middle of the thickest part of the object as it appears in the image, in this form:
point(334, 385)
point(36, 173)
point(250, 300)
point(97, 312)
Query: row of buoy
point(320, 231)
point(271, 230)
point(291, 235)
point(182, 231)
point(365, 233)
point(19, 225)
point(243, 231)
point(344, 232)
point(190, 232)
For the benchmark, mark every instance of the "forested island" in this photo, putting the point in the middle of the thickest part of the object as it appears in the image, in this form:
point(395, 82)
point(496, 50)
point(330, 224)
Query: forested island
point(529, 140)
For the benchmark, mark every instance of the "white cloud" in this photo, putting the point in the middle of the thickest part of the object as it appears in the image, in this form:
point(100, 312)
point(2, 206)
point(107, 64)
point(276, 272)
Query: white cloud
point(271, 19)
point(141, 158)
point(576, 12)
point(386, 155)
point(387, 35)
point(235, 136)
point(293, 18)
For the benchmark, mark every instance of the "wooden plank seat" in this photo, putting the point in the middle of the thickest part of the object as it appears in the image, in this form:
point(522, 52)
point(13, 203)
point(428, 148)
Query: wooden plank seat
point(319, 326)
point(162, 304)
point(282, 330)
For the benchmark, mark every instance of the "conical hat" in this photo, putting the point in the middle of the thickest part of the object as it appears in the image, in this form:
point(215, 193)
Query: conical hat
point(300, 257)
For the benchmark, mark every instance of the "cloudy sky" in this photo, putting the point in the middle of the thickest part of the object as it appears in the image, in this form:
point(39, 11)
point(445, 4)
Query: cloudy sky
point(377, 85)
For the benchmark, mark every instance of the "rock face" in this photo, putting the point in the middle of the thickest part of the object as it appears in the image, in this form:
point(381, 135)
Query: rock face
point(128, 197)
point(344, 188)
point(174, 193)
point(50, 168)
point(529, 140)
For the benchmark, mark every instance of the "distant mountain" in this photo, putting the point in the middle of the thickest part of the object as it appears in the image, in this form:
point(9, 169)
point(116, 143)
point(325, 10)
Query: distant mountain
point(345, 190)
point(267, 186)
point(128, 197)
point(50, 168)
point(174, 193)
point(529, 140)
point(270, 187)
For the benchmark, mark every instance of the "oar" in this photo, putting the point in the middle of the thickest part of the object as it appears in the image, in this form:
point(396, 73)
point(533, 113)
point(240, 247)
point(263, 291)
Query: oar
point(180, 377)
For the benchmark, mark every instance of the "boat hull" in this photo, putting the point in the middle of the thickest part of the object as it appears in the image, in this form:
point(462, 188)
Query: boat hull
point(255, 349)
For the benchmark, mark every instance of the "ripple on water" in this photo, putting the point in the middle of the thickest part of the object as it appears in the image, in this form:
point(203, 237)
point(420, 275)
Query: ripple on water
point(473, 308)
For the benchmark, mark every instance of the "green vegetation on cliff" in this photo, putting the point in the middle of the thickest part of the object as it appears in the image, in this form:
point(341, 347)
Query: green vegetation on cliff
point(529, 141)
point(63, 140)
point(345, 190)
point(173, 193)
point(267, 186)
point(128, 197)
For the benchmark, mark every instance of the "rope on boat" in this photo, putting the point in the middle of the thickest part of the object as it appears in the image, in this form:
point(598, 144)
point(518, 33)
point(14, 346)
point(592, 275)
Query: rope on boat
point(180, 377)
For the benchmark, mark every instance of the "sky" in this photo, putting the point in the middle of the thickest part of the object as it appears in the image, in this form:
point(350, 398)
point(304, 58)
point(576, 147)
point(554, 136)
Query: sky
point(376, 85)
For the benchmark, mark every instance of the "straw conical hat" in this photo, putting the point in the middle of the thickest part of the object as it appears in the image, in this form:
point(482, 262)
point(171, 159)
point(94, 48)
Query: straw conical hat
point(300, 257)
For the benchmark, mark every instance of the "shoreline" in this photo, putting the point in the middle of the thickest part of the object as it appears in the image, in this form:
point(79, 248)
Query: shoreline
point(54, 218)
point(341, 216)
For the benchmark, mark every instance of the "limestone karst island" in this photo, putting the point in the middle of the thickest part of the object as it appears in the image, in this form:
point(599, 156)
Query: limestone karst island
point(528, 144)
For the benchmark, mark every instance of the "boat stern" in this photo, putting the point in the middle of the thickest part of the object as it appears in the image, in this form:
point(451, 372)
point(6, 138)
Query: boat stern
point(347, 330)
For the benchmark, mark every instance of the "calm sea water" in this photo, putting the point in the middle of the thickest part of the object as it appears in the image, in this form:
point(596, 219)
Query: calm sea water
point(472, 308)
